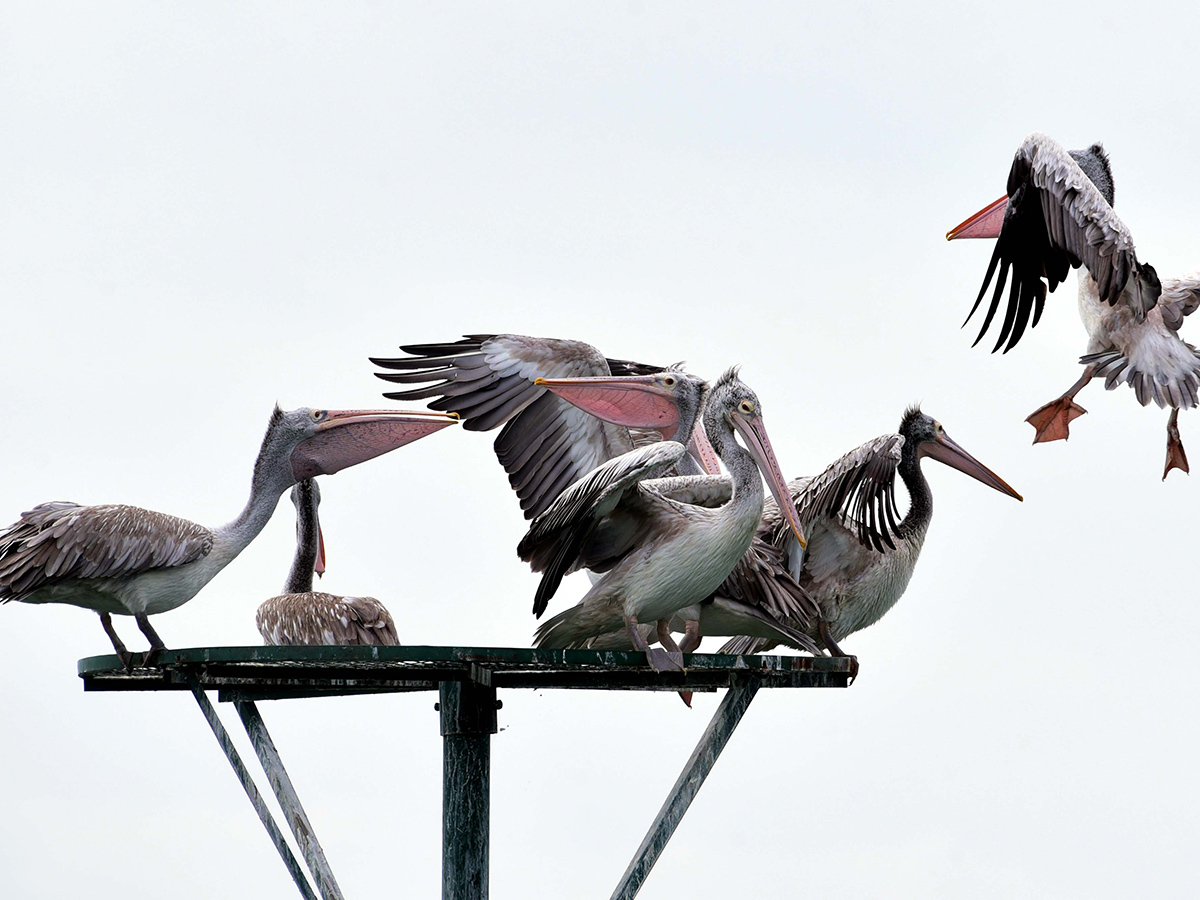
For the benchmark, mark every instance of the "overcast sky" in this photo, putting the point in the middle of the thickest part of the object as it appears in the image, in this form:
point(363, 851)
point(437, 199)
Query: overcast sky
point(208, 208)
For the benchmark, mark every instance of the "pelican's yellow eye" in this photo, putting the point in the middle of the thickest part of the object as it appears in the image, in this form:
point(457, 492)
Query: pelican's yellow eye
point(938, 426)
point(746, 406)
point(669, 381)
point(318, 415)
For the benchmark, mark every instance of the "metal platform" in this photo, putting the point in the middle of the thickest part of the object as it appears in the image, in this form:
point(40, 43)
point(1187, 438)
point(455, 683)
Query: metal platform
point(466, 679)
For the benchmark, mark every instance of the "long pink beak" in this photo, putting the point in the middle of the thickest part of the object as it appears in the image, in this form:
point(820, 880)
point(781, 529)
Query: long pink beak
point(348, 437)
point(702, 449)
point(635, 401)
point(319, 566)
point(950, 453)
point(754, 433)
point(984, 224)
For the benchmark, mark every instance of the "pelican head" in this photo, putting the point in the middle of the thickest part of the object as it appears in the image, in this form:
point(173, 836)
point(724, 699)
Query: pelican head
point(306, 497)
point(303, 443)
point(925, 436)
point(734, 408)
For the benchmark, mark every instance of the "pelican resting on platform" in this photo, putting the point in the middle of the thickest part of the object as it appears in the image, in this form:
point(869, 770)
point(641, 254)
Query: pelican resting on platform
point(659, 543)
point(546, 443)
point(1058, 215)
point(859, 558)
point(129, 561)
point(301, 615)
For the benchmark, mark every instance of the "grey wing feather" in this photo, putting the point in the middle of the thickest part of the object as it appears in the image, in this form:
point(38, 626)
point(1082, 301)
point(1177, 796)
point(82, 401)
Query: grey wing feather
point(557, 541)
point(761, 579)
point(546, 443)
point(858, 490)
point(57, 541)
point(711, 491)
point(1058, 219)
point(1180, 298)
point(315, 618)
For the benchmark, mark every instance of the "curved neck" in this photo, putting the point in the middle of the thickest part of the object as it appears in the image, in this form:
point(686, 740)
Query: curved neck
point(920, 509)
point(747, 480)
point(268, 484)
point(300, 578)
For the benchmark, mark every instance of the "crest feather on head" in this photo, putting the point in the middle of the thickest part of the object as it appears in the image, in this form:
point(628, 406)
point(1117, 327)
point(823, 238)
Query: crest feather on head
point(728, 377)
point(910, 415)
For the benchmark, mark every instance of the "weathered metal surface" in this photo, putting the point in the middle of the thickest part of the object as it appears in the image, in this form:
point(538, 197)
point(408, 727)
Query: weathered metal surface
point(289, 802)
point(468, 721)
point(251, 673)
point(703, 758)
point(256, 800)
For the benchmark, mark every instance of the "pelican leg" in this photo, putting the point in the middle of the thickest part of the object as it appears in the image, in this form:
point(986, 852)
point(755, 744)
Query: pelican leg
point(156, 643)
point(691, 640)
point(1052, 421)
point(118, 644)
point(658, 659)
point(674, 651)
point(835, 650)
point(1176, 458)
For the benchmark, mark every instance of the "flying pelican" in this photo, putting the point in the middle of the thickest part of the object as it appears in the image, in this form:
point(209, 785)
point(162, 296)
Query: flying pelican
point(135, 562)
point(547, 444)
point(660, 547)
point(859, 558)
point(1058, 215)
point(301, 615)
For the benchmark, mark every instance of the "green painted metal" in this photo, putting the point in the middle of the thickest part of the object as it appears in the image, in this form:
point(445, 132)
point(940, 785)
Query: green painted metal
point(252, 673)
point(704, 757)
point(256, 800)
point(468, 721)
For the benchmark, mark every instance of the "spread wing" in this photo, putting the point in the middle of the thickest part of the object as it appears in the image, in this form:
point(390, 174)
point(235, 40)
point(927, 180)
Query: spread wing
point(59, 541)
point(1056, 220)
point(488, 379)
point(597, 520)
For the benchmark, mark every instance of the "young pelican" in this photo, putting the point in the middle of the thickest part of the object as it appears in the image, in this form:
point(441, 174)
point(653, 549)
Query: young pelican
point(129, 561)
point(301, 615)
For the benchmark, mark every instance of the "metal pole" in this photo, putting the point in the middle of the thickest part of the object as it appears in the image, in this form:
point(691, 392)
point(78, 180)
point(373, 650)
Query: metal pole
point(716, 736)
point(289, 801)
point(468, 722)
point(256, 800)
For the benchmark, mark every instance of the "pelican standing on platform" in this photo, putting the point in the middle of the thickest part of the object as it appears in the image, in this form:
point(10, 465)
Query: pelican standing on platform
point(1057, 215)
point(659, 550)
point(859, 558)
point(129, 561)
point(547, 443)
point(301, 615)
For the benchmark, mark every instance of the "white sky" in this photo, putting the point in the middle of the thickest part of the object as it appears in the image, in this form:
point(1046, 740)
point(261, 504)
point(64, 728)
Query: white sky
point(208, 208)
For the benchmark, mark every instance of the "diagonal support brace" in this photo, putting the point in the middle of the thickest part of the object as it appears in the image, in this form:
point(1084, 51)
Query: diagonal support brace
point(256, 800)
point(703, 758)
point(289, 801)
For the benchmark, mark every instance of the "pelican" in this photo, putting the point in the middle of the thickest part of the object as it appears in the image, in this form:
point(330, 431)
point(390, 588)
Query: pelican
point(129, 561)
point(547, 444)
point(1058, 214)
point(859, 558)
point(660, 546)
point(301, 615)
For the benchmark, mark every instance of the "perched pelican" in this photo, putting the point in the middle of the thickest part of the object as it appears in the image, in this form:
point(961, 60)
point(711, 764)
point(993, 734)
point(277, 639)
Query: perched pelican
point(301, 615)
point(661, 547)
point(546, 443)
point(1058, 215)
point(134, 562)
point(859, 558)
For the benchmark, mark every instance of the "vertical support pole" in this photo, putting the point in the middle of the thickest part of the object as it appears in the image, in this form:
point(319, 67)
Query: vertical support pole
point(256, 800)
point(289, 801)
point(468, 722)
point(699, 764)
